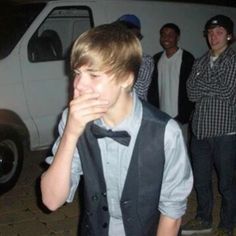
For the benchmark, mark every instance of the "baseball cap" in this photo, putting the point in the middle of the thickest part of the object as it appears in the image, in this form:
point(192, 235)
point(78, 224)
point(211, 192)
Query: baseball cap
point(131, 19)
point(220, 20)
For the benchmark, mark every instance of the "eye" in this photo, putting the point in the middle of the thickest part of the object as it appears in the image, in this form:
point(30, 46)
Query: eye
point(95, 75)
point(209, 32)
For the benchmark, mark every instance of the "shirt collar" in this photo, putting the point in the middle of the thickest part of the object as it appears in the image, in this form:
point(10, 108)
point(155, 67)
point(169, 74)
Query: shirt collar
point(130, 122)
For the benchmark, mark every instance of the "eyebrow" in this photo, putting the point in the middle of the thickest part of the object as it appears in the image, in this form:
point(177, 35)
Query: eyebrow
point(93, 70)
point(89, 70)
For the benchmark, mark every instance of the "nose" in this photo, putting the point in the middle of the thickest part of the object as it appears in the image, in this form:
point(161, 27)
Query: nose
point(80, 83)
point(212, 35)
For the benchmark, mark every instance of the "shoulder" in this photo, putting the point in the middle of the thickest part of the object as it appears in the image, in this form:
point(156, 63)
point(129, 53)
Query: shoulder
point(228, 61)
point(147, 56)
point(62, 122)
point(147, 59)
point(231, 54)
point(153, 114)
point(64, 116)
point(157, 56)
point(203, 60)
point(188, 54)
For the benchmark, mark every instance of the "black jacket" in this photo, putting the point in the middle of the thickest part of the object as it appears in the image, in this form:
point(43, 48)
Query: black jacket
point(185, 107)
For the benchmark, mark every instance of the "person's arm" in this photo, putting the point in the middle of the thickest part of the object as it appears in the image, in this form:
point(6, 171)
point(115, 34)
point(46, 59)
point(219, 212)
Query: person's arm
point(55, 182)
point(198, 81)
point(144, 77)
point(177, 181)
point(220, 83)
point(168, 226)
point(193, 89)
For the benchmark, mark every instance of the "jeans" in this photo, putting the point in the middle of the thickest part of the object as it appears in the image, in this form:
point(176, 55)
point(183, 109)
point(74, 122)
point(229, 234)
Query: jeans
point(218, 152)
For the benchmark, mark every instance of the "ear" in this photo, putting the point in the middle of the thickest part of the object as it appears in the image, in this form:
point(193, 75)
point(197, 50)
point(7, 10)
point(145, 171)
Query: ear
point(128, 82)
point(178, 38)
point(229, 38)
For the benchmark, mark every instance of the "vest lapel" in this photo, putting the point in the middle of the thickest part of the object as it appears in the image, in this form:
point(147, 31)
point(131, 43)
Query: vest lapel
point(89, 149)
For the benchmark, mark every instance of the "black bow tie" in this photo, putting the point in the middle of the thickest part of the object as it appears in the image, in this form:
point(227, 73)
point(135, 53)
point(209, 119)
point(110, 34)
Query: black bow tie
point(121, 137)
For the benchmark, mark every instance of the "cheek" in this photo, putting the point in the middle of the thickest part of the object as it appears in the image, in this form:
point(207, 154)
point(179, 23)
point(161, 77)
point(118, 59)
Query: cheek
point(99, 88)
point(109, 93)
point(172, 41)
point(224, 40)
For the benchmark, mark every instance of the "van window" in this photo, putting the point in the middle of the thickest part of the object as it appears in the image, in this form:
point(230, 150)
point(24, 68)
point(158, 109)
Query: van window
point(54, 38)
point(14, 21)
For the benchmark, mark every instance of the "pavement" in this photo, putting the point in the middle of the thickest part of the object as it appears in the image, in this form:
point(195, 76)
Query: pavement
point(23, 214)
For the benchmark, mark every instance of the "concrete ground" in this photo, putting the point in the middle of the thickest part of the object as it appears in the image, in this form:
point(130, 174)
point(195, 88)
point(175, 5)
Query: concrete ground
point(22, 213)
point(21, 210)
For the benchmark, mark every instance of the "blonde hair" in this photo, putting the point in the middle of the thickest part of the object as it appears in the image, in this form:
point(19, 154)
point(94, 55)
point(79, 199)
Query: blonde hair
point(110, 48)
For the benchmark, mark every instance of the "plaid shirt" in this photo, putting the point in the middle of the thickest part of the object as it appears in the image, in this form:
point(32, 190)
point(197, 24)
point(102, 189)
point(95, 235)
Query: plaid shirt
point(213, 89)
point(144, 77)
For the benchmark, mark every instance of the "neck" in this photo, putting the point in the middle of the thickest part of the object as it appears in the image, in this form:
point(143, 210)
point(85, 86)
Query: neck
point(217, 52)
point(119, 111)
point(171, 51)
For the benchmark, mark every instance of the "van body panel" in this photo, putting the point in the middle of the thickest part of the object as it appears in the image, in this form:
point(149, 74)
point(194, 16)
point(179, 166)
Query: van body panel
point(37, 91)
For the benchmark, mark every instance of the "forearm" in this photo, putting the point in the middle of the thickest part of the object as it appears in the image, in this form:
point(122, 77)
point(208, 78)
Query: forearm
point(55, 182)
point(220, 85)
point(193, 90)
point(197, 84)
point(168, 226)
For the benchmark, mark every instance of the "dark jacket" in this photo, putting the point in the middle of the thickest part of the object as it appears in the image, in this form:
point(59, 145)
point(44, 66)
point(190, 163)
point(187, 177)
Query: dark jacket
point(185, 107)
point(140, 197)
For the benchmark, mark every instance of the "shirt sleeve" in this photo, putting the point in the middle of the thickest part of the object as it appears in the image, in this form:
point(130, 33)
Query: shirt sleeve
point(76, 169)
point(177, 178)
point(193, 90)
point(144, 76)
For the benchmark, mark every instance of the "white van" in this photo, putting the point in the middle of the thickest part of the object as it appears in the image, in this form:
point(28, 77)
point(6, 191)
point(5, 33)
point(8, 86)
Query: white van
point(35, 41)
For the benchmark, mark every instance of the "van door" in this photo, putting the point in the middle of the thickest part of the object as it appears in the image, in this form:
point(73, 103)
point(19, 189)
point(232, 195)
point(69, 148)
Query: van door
point(45, 66)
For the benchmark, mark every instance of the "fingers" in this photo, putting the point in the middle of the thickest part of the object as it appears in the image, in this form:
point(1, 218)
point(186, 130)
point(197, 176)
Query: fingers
point(84, 108)
point(88, 104)
point(88, 109)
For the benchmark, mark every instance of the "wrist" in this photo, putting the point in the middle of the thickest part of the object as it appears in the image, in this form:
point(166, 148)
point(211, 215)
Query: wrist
point(70, 137)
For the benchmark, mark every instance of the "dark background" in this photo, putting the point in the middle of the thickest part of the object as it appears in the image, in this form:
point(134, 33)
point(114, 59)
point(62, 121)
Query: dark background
point(231, 3)
point(212, 2)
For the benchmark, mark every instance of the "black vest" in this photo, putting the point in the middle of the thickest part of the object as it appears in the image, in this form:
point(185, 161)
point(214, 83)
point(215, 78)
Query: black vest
point(140, 197)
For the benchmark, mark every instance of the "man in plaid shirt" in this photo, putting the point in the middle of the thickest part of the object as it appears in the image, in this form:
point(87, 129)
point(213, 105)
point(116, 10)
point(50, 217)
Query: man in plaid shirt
point(212, 86)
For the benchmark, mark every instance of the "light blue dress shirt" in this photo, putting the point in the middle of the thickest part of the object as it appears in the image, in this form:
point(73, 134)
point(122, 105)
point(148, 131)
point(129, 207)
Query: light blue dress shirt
point(177, 179)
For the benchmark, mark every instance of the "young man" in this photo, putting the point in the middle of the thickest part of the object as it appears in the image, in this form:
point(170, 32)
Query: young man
point(212, 86)
point(132, 157)
point(172, 67)
point(143, 81)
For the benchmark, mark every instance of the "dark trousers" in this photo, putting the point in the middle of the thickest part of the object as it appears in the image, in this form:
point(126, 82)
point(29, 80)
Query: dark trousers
point(221, 153)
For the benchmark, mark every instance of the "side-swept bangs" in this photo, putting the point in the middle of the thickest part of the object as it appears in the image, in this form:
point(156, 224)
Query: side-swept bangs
point(111, 48)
